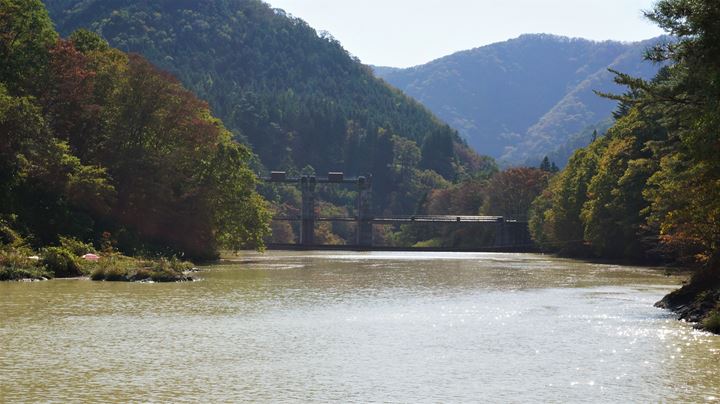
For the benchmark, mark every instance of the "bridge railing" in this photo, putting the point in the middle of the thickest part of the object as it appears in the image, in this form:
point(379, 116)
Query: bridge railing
point(437, 219)
point(407, 219)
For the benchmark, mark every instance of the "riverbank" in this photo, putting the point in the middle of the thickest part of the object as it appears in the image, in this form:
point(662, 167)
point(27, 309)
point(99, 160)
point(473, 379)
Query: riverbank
point(75, 259)
point(129, 269)
point(698, 301)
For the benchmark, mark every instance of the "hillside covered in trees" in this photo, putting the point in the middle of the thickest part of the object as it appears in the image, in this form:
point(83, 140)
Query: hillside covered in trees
point(101, 147)
point(293, 94)
point(651, 187)
point(527, 97)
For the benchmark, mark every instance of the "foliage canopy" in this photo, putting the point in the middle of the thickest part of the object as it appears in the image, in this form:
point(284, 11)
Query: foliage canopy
point(93, 140)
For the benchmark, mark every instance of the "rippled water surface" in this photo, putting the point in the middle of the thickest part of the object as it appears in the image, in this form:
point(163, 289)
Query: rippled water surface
point(358, 327)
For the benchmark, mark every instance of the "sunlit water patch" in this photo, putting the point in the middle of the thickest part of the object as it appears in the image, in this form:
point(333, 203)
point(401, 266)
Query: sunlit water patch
point(358, 327)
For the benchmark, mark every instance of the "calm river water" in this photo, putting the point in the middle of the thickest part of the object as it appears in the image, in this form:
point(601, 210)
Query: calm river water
point(358, 327)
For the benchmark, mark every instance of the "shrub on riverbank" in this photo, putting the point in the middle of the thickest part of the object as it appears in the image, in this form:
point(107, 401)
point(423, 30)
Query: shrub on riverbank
point(712, 322)
point(16, 264)
point(61, 262)
point(17, 260)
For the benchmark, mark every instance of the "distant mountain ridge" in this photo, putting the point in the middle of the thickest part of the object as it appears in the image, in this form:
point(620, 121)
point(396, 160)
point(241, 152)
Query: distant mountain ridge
point(521, 99)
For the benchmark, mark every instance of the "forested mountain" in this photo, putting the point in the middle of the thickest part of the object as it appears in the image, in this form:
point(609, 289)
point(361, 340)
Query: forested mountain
point(296, 96)
point(521, 99)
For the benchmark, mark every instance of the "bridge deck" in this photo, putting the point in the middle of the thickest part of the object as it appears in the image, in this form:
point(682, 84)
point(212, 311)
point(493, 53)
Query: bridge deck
point(408, 219)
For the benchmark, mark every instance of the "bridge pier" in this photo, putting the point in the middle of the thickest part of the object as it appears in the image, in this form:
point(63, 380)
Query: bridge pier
point(307, 216)
point(501, 233)
point(364, 229)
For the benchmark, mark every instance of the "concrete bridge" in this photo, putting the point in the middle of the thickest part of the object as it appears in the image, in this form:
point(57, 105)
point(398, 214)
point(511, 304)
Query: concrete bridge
point(509, 233)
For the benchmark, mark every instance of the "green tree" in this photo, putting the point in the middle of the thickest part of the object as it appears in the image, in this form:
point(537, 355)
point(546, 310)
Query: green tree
point(545, 164)
point(555, 216)
point(42, 181)
point(406, 156)
point(87, 41)
point(438, 154)
point(26, 34)
point(615, 214)
point(683, 192)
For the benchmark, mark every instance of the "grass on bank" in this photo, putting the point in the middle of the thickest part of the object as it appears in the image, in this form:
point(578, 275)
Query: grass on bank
point(19, 262)
point(712, 322)
point(123, 268)
point(15, 264)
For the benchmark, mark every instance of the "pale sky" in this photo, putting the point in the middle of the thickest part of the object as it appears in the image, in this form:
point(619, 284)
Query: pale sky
point(402, 33)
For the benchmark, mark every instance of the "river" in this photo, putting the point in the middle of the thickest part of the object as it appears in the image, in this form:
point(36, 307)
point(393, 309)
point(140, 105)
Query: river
point(358, 327)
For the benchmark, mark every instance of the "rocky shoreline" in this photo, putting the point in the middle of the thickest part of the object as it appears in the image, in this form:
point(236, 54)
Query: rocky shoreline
point(698, 301)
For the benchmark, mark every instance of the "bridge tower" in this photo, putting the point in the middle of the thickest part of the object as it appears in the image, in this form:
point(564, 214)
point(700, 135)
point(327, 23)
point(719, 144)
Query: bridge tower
point(307, 216)
point(364, 215)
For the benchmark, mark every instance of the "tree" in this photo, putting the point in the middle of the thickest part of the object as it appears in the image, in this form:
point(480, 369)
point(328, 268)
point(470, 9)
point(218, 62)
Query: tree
point(42, 182)
point(545, 164)
point(87, 41)
point(438, 154)
point(26, 34)
point(511, 192)
point(615, 214)
point(406, 156)
point(101, 142)
point(555, 215)
point(607, 210)
point(180, 178)
point(69, 99)
point(683, 192)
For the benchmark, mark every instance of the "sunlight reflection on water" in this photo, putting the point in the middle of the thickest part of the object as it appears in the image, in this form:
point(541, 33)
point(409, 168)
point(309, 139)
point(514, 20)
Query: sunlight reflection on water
point(359, 327)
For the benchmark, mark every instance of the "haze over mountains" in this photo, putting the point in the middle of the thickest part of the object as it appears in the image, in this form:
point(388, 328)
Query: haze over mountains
point(527, 97)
